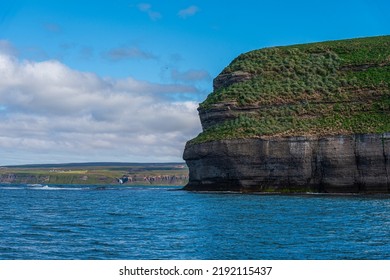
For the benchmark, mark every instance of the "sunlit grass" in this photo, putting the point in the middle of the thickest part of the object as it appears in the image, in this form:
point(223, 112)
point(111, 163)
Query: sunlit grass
point(322, 88)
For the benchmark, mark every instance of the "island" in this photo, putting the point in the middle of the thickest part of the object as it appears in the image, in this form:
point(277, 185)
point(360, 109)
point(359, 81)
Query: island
point(295, 119)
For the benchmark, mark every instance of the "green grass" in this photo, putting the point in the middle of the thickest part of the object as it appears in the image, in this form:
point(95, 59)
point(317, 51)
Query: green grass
point(334, 87)
point(249, 127)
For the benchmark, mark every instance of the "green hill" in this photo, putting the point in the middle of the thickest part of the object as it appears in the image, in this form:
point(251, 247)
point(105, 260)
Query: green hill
point(327, 88)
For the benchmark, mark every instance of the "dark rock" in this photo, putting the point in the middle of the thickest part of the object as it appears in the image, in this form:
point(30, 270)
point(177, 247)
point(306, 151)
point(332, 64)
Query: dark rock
point(225, 80)
point(219, 113)
point(335, 164)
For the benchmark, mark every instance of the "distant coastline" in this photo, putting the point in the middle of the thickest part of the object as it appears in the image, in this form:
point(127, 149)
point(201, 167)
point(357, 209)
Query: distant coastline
point(98, 173)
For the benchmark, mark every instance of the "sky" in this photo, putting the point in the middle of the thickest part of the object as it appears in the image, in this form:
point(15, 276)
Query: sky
point(121, 80)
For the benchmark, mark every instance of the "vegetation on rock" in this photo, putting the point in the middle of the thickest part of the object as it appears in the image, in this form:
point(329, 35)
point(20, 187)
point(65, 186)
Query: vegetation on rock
point(328, 88)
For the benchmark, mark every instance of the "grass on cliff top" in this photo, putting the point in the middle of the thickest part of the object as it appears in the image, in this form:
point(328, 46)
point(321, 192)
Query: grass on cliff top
point(333, 87)
point(249, 127)
point(316, 72)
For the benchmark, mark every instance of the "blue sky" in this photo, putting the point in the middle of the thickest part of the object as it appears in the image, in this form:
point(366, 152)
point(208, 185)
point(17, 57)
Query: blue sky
point(120, 80)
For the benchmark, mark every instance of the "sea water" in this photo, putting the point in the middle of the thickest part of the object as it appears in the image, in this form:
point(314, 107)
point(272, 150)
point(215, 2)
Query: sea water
point(114, 222)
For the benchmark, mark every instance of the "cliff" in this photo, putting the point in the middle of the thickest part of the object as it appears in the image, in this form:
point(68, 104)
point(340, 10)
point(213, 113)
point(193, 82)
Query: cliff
point(312, 117)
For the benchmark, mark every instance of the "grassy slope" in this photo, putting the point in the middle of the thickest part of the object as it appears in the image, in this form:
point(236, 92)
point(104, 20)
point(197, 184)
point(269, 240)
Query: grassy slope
point(335, 87)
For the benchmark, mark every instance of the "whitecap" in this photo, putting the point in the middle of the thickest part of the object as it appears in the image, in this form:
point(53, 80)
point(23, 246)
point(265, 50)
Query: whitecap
point(49, 188)
point(10, 188)
point(34, 185)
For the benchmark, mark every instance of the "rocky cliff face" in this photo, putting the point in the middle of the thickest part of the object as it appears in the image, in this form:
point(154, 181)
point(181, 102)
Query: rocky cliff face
point(337, 164)
point(270, 126)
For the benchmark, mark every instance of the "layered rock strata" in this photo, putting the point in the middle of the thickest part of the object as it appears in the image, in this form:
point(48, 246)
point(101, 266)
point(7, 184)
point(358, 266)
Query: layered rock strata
point(337, 164)
point(307, 118)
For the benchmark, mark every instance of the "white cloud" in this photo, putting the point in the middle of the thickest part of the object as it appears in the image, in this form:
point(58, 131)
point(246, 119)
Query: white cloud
point(52, 27)
point(144, 7)
point(147, 8)
point(188, 12)
point(52, 113)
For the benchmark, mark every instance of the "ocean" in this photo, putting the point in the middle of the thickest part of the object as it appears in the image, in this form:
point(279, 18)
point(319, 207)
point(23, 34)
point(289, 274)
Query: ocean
point(78, 222)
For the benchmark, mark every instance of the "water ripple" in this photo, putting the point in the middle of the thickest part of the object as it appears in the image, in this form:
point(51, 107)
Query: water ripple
point(91, 222)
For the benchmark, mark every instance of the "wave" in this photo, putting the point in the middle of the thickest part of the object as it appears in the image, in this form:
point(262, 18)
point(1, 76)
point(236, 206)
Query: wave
point(9, 188)
point(34, 185)
point(49, 188)
point(84, 187)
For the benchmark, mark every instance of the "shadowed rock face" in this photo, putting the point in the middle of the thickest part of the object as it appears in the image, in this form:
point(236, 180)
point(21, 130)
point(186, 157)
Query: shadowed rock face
point(337, 164)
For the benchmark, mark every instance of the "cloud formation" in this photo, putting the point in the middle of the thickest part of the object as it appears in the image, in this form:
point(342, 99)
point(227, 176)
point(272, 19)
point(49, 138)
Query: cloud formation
point(147, 8)
point(52, 113)
point(52, 27)
point(188, 12)
point(7, 48)
point(128, 53)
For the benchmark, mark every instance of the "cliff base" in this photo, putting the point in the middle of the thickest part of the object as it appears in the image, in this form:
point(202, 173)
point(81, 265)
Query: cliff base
point(335, 164)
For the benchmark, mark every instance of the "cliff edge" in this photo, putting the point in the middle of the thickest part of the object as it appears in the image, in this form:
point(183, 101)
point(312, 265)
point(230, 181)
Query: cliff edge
point(302, 118)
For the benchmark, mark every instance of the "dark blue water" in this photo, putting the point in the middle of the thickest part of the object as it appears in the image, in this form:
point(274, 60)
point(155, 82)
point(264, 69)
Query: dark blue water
point(89, 222)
